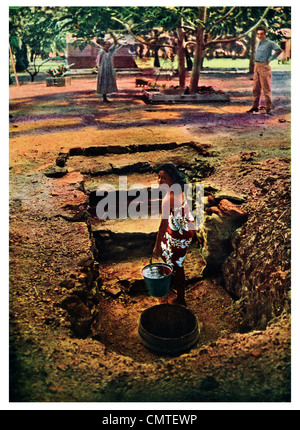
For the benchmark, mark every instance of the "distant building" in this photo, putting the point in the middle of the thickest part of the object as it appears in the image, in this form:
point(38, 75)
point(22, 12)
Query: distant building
point(85, 59)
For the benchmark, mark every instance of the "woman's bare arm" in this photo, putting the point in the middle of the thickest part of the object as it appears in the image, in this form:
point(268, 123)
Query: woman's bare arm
point(93, 42)
point(167, 204)
point(114, 38)
point(161, 231)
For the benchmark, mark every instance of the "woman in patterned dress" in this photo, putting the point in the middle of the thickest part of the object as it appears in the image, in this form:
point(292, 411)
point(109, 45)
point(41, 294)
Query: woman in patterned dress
point(176, 228)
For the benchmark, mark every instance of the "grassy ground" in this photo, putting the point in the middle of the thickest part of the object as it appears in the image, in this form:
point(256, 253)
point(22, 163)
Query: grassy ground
point(216, 63)
point(239, 63)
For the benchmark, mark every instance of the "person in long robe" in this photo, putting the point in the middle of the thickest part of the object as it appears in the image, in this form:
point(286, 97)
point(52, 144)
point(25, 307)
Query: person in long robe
point(106, 80)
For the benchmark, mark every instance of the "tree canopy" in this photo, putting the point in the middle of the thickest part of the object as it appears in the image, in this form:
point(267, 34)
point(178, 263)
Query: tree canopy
point(44, 29)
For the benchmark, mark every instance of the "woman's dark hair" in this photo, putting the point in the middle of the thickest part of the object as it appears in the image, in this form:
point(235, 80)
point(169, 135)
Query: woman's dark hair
point(176, 176)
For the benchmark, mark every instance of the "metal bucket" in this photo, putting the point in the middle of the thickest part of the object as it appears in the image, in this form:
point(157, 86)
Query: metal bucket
point(168, 329)
point(157, 278)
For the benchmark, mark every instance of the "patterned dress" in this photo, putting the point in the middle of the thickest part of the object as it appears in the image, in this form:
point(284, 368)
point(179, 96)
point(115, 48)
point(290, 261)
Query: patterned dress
point(178, 236)
point(106, 81)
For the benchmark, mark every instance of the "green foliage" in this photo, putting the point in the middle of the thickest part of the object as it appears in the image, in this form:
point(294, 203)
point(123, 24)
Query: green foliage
point(239, 19)
point(37, 28)
point(146, 18)
point(44, 29)
point(278, 18)
point(21, 57)
point(43, 26)
point(88, 22)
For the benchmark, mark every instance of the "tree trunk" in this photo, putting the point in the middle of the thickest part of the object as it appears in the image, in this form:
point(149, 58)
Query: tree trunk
point(199, 50)
point(156, 58)
point(13, 65)
point(189, 63)
point(140, 51)
point(252, 51)
point(181, 57)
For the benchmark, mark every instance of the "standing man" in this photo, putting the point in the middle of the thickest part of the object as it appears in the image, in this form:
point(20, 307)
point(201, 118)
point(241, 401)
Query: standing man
point(265, 53)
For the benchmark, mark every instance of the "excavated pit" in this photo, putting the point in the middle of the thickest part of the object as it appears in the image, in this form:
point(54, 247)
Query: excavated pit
point(123, 246)
point(52, 364)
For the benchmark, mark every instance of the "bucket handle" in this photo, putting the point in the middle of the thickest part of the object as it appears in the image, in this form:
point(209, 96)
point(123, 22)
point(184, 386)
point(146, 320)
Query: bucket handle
point(151, 258)
point(150, 263)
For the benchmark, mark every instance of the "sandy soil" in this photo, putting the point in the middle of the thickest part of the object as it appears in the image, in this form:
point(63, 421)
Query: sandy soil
point(52, 254)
